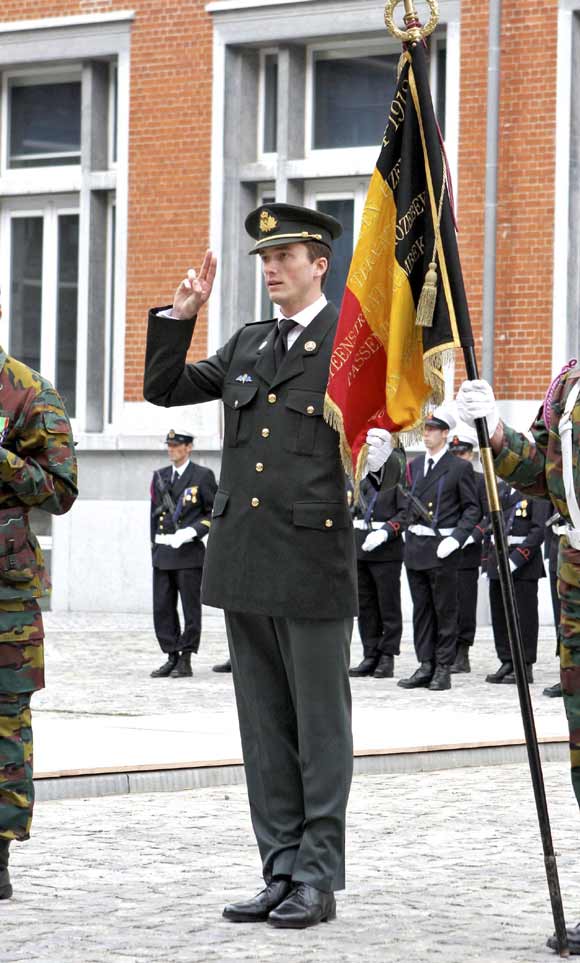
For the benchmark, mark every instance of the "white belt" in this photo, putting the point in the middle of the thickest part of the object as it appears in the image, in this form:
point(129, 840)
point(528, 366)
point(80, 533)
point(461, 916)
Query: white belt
point(565, 430)
point(512, 539)
point(560, 529)
point(367, 526)
point(424, 530)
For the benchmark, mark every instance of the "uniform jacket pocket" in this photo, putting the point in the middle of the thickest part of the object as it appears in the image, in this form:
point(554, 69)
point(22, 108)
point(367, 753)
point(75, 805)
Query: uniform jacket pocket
point(18, 564)
point(219, 503)
point(236, 397)
point(306, 428)
point(325, 516)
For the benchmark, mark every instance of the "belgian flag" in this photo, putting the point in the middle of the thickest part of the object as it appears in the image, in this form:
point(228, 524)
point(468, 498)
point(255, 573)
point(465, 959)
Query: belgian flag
point(404, 307)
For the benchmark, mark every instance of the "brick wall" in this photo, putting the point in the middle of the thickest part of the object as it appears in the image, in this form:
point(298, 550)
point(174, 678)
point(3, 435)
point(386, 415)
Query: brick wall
point(526, 185)
point(169, 151)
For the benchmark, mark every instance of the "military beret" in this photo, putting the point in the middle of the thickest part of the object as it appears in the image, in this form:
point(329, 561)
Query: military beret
point(273, 225)
point(178, 437)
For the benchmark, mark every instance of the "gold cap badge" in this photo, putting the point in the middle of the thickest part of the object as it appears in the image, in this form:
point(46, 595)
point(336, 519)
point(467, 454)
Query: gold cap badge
point(267, 222)
point(171, 433)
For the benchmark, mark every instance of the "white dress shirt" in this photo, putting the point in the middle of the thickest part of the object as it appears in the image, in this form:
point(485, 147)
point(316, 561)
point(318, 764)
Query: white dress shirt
point(302, 318)
point(434, 458)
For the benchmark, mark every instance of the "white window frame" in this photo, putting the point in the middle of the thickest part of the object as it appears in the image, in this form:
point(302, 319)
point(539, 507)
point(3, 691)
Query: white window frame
point(261, 154)
point(109, 400)
point(49, 208)
point(263, 191)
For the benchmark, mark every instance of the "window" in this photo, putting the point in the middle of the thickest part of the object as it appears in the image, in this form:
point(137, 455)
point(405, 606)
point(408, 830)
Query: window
point(269, 100)
point(343, 210)
point(351, 97)
point(44, 121)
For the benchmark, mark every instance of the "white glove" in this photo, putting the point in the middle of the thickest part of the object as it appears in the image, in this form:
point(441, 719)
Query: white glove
point(513, 566)
point(447, 547)
point(469, 541)
point(475, 399)
point(380, 447)
point(162, 539)
point(374, 539)
point(180, 537)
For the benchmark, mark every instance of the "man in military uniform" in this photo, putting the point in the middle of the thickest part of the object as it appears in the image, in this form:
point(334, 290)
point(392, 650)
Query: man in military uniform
point(548, 467)
point(442, 512)
point(463, 445)
point(280, 558)
point(379, 517)
point(37, 470)
point(182, 497)
point(525, 525)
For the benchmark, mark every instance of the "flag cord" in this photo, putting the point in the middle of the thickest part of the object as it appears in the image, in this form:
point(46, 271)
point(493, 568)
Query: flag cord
point(426, 305)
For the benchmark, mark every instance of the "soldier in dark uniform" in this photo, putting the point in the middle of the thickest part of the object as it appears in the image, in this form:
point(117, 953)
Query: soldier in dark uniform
point(280, 558)
point(442, 513)
point(379, 517)
point(525, 525)
point(37, 470)
point(182, 497)
point(463, 444)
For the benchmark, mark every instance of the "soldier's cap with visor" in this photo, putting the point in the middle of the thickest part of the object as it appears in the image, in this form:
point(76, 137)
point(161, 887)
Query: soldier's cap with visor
point(441, 417)
point(178, 437)
point(464, 439)
point(274, 225)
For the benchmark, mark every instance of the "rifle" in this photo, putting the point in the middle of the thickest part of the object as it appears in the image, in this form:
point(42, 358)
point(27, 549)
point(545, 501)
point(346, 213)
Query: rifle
point(167, 504)
point(419, 507)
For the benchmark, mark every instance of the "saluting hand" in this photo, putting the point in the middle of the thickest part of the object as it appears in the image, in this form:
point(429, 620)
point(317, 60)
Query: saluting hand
point(195, 289)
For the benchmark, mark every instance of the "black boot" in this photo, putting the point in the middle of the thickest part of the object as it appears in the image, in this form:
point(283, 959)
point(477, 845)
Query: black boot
point(385, 668)
point(223, 667)
point(553, 691)
point(422, 677)
point(366, 667)
point(183, 667)
point(5, 885)
point(461, 663)
point(510, 678)
point(504, 669)
point(441, 679)
point(167, 667)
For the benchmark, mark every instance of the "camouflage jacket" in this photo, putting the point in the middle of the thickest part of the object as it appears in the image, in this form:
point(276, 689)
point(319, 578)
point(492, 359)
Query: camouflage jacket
point(37, 470)
point(535, 468)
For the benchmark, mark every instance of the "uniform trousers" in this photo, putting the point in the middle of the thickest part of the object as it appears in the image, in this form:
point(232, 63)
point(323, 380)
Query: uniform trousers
point(569, 594)
point(434, 594)
point(16, 784)
point(168, 585)
point(294, 707)
point(526, 596)
point(467, 579)
point(380, 622)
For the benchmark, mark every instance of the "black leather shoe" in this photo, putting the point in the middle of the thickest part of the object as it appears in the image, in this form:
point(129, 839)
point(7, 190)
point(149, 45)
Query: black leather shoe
point(573, 934)
point(510, 678)
point(553, 691)
point(504, 669)
point(223, 667)
point(5, 885)
point(385, 668)
point(422, 677)
point(183, 666)
point(366, 667)
point(441, 679)
point(461, 663)
point(306, 906)
point(256, 910)
point(167, 667)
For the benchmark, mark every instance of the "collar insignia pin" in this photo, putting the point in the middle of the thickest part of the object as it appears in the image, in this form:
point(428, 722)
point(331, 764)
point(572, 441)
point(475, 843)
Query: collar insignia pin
point(310, 346)
point(263, 345)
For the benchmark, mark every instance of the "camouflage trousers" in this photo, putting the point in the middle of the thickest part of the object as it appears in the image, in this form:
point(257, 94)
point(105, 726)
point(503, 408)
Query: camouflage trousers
point(16, 785)
point(21, 674)
point(569, 638)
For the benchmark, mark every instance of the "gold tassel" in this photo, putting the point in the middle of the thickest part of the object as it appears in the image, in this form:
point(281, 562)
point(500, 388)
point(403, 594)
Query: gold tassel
point(426, 306)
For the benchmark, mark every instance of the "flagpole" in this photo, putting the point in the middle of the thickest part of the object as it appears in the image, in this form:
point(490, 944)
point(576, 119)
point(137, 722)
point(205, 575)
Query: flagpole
point(413, 35)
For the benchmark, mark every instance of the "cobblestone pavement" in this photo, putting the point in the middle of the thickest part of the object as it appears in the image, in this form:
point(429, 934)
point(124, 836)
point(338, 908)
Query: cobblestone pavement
point(444, 866)
point(100, 664)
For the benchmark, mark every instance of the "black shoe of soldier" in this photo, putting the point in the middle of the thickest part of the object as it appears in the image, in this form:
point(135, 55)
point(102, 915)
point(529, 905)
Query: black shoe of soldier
point(573, 934)
point(223, 667)
point(510, 678)
point(167, 667)
point(385, 668)
point(256, 910)
point(5, 885)
point(421, 678)
point(441, 679)
point(183, 667)
point(504, 669)
point(461, 663)
point(306, 906)
point(366, 667)
point(553, 691)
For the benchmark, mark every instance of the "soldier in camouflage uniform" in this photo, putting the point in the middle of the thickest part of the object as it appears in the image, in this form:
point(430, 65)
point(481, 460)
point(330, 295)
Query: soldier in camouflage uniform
point(538, 468)
point(37, 470)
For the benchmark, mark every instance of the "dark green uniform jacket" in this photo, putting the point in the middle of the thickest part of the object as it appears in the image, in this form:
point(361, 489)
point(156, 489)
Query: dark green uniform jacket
point(281, 529)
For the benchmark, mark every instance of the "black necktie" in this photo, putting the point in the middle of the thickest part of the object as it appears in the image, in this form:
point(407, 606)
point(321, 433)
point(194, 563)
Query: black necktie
point(174, 479)
point(285, 325)
point(430, 464)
